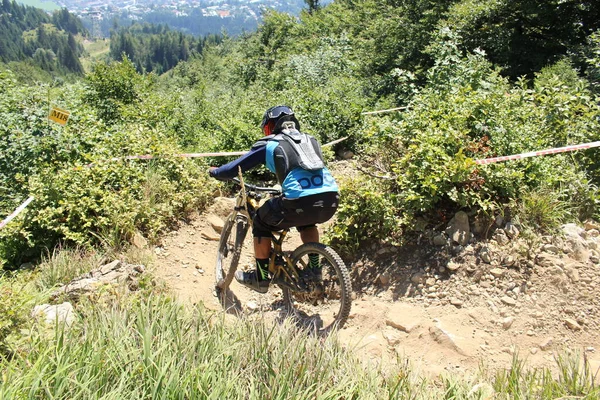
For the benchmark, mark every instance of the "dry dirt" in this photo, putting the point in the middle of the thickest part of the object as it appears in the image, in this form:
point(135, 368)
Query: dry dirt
point(440, 307)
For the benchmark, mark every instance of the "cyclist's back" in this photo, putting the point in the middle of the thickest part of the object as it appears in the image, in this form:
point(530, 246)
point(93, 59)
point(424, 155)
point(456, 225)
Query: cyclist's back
point(310, 193)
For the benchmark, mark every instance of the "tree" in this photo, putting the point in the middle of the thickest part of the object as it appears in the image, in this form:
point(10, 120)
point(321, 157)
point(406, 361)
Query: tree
point(313, 5)
point(525, 36)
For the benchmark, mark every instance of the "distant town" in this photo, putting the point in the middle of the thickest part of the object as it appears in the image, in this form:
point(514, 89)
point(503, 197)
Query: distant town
point(193, 16)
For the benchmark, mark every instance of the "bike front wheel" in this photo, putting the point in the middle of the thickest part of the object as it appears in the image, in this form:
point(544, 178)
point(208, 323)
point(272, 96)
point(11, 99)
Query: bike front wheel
point(326, 304)
point(230, 249)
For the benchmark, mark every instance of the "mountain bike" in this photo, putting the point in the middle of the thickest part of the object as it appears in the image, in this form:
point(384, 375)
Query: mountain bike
point(321, 303)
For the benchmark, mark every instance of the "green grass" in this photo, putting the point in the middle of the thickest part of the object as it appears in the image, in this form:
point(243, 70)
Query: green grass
point(95, 50)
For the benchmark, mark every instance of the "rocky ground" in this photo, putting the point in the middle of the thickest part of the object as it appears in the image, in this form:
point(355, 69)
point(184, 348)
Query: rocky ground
point(449, 303)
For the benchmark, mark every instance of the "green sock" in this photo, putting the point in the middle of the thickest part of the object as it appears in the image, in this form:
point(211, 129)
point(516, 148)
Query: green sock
point(262, 268)
point(313, 261)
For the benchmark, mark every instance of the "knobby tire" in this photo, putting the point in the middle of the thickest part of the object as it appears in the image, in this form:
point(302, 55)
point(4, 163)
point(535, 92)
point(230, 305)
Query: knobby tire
point(329, 309)
point(230, 249)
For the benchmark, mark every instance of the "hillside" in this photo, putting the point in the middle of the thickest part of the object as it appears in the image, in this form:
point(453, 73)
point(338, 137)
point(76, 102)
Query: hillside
point(469, 235)
point(48, 42)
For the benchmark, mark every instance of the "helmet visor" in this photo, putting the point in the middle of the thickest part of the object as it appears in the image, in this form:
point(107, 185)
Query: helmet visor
point(274, 113)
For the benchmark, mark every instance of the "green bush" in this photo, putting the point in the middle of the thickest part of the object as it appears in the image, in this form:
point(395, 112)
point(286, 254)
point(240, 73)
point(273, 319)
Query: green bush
point(112, 86)
point(107, 202)
point(467, 111)
point(366, 214)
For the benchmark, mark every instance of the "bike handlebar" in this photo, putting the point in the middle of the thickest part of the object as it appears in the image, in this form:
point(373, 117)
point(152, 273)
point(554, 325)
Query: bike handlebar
point(263, 189)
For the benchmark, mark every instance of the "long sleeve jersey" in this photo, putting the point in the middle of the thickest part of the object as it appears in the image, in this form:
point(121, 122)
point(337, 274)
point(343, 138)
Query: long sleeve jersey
point(295, 183)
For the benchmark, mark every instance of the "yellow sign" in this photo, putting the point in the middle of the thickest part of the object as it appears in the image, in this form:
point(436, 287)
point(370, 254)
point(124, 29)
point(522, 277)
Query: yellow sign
point(59, 116)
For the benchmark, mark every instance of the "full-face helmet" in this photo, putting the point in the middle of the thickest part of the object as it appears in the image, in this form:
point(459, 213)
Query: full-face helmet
point(277, 118)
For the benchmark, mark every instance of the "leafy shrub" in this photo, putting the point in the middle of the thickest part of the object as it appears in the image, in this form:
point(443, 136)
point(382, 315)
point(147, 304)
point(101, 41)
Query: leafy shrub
point(366, 214)
point(107, 202)
point(467, 111)
point(111, 86)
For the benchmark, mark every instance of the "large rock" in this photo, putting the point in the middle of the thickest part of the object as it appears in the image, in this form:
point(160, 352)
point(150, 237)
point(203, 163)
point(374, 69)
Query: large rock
point(222, 207)
point(216, 223)
point(114, 272)
point(572, 231)
point(51, 314)
point(458, 228)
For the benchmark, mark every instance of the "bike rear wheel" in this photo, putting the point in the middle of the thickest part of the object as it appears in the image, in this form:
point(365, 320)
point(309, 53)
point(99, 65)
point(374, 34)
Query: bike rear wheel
point(230, 248)
point(327, 304)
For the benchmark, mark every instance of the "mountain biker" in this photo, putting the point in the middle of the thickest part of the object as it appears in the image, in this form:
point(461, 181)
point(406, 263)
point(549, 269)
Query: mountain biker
point(310, 194)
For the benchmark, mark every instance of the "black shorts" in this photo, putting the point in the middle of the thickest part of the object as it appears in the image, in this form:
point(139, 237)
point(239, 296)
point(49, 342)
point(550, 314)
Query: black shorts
point(280, 213)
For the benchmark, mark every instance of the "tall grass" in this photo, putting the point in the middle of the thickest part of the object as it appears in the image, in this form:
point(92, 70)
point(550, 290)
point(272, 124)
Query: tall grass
point(63, 265)
point(154, 348)
point(545, 209)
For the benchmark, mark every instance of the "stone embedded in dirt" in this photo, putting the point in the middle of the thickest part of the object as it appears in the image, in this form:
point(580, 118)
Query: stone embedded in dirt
point(499, 221)
point(550, 248)
point(452, 266)
point(222, 207)
point(548, 260)
point(458, 228)
point(252, 306)
point(485, 254)
point(546, 344)
point(440, 240)
point(501, 238)
point(572, 231)
point(445, 339)
point(208, 236)
point(589, 225)
point(392, 336)
point(572, 273)
point(61, 313)
point(105, 269)
point(139, 241)
point(384, 278)
point(418, 278)
point(572, 324)
point(497, 272)
point(508, 260)
point(580, 253)
point(507, 322)
point(511, 230)
point(509, 301)
point(216, 223)
point(403, 326)
point(456, 302)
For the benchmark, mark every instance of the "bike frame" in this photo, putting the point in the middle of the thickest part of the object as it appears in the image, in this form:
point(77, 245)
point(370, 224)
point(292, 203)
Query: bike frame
point(282, 271)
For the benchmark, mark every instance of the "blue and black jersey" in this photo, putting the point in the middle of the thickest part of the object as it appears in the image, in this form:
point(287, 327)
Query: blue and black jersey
point(279, 158)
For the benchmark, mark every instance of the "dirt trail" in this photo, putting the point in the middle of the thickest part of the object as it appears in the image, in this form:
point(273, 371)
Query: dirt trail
point(383, 325)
